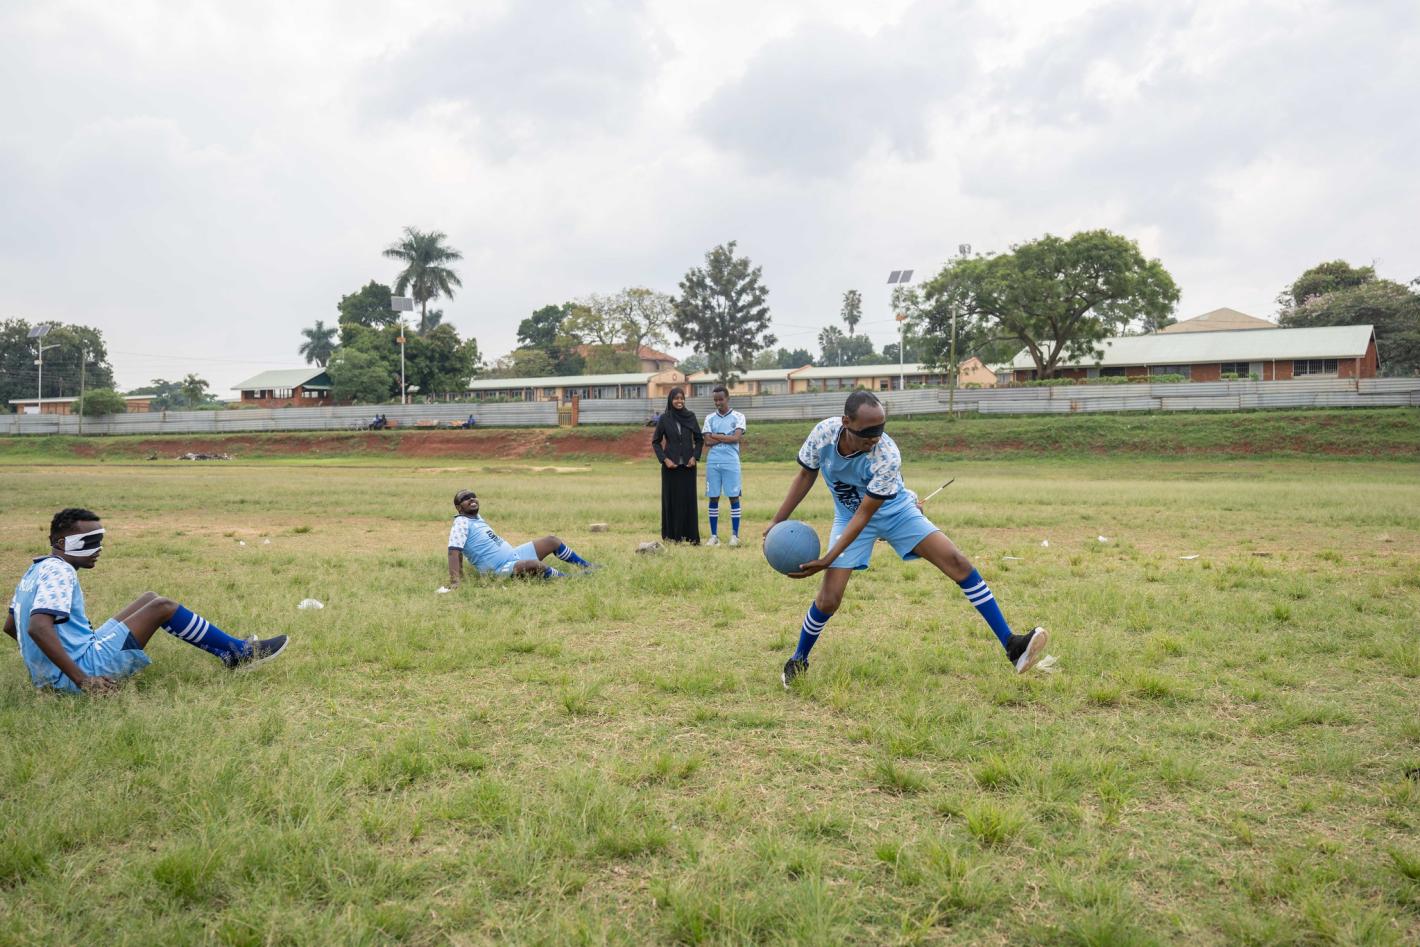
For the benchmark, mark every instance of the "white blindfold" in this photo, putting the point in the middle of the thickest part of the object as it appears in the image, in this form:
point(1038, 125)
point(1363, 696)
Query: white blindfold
point(84, 544)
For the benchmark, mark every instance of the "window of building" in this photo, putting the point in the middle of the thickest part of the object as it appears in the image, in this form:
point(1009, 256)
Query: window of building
point(1241, 369)
point(1313, 366)
point(1112, 373)
point(702, 389)
point(308, 393)
point(1185, 370)
point(634, 391)
point(887, 384)
point(283, 393)
point(774, 387)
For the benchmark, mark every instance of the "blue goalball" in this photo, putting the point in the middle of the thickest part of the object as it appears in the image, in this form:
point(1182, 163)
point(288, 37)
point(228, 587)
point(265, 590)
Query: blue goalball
point(790, 544)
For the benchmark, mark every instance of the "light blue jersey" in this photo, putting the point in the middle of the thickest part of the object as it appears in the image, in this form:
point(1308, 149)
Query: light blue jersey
point(876, 473)
point(723, 455)
point(51, 587)
point(488, 551)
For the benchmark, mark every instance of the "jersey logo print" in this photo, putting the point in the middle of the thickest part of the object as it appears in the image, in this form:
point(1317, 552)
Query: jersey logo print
point(847, 495)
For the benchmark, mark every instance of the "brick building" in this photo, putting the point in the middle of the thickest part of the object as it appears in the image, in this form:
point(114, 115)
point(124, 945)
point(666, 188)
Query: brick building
point(286, 388)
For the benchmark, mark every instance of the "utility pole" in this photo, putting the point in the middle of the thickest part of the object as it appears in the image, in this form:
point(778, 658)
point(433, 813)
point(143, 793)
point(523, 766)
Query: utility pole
point(83, 364)
point(38, 333)
point(962, 251)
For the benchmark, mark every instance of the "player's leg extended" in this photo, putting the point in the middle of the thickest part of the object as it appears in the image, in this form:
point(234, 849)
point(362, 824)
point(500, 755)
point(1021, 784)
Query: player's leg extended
point(735, 518)
point(552, 546)
point(1023, 650)
point(830, 596)
point(151, 611)
point(714, 507)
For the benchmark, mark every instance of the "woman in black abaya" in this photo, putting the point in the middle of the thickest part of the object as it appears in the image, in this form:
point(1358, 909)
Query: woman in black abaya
point(678, 443)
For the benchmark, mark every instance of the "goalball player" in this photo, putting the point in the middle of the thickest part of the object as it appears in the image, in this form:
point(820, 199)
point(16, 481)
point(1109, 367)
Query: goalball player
point(490, 554)
point(863, 469)
point(723, 431)
point(63, 652)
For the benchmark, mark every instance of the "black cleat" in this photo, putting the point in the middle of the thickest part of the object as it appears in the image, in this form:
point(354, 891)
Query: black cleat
point(792, 669)
point(258, 651)
point(1025, 651)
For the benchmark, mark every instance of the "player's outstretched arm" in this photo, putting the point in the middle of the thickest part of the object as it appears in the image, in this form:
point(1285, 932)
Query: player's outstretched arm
point(455, 567)
point(10, 628)
point(860, 519)
point(799, 488)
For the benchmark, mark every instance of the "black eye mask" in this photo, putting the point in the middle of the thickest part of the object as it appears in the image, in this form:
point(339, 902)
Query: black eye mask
point(868, 432)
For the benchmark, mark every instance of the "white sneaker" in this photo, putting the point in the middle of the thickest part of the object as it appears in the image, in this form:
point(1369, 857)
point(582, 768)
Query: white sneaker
point(713, 541)
point(734, 540)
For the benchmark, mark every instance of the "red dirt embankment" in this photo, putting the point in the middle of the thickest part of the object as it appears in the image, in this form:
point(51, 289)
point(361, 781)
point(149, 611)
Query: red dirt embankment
point(472, 445)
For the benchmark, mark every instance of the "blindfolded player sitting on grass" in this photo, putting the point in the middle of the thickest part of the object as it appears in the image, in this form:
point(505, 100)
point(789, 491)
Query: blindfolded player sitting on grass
point(490, 554)
point(48, 619)
point(863, 470)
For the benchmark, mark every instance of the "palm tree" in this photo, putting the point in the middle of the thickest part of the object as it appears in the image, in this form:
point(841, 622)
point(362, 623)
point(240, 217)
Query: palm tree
point(430, 321)
point(319, 344)
point(424, 275)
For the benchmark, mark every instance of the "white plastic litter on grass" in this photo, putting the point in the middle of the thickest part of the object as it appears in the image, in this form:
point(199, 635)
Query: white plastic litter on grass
point(310, 603)
point(266, 542)
point(1048, 664)
point(1103, 539)
point(442, 591)
point(1188, 557)
point(241, 542)
point(1014, 558)
point(1045, 543)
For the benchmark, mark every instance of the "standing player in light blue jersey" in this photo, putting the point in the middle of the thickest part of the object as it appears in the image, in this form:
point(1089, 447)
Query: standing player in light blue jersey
point(63, 652)
point(863, 469)
point(723, 429)
point(490, 554)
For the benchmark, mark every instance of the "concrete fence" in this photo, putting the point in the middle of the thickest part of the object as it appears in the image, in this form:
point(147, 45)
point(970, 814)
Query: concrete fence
point(1074, 399)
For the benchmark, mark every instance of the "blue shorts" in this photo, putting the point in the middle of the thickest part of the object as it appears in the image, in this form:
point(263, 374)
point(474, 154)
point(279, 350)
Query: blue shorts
point(902, 528)
point(115, 653)
point(722, 481)
point(525, 551)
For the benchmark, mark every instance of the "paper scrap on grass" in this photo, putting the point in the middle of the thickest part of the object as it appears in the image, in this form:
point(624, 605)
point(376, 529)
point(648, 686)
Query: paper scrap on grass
point(241, 542)
point(1103, 539)
point(1045, 543)
point(310, 603)
point(1194, 556)
point(442, 591)
point(1048, 664)
point(1014, 558)
point(266, 542)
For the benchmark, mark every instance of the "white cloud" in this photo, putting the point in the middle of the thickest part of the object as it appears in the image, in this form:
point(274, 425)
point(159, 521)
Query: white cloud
point(203, 181)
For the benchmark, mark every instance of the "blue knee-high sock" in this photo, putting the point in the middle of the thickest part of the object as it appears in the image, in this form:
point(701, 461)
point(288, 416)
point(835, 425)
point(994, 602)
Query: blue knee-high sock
point(567, 555)
point(714, 516)
point(198, 631)
point(808, 634)
point(551, 573)
point(978, 593)
point(735, 515)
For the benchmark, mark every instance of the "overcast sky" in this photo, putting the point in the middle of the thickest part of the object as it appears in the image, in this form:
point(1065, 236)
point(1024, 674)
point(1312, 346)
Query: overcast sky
point(201, 180)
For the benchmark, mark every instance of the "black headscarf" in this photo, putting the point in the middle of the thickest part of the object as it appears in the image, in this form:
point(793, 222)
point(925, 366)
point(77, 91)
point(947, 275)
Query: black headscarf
point(683, 415)
point(681, 431)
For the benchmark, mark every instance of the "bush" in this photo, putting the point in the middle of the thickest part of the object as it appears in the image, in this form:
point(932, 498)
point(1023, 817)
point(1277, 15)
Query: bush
point(100, 402)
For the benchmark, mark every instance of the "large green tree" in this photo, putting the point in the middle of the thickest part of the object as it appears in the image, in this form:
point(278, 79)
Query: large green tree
point(439, 363)
point(547, 331)
point(319, 344)
point(367, 306)
point(188, 394)
point(1335, 294)
point(722, 311)
point(839, 349)
point(1056, 297)
point(426, 275)
point(78, 356)
point(1324, 278)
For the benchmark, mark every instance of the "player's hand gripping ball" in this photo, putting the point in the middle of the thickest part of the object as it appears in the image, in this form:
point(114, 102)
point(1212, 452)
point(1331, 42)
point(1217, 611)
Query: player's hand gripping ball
point(790, 544)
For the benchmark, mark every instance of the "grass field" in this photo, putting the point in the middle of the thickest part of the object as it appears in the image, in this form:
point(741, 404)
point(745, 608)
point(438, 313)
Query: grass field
point(1221, 755)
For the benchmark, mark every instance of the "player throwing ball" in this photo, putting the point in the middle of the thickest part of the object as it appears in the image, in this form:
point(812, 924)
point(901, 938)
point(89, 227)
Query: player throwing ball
point(490, 554)
point(63, 652)
point(863, 469)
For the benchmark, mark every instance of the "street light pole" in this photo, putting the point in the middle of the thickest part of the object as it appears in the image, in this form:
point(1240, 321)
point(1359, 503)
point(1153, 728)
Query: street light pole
point(401, 305)
point(900, 278)
point(38, 333)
